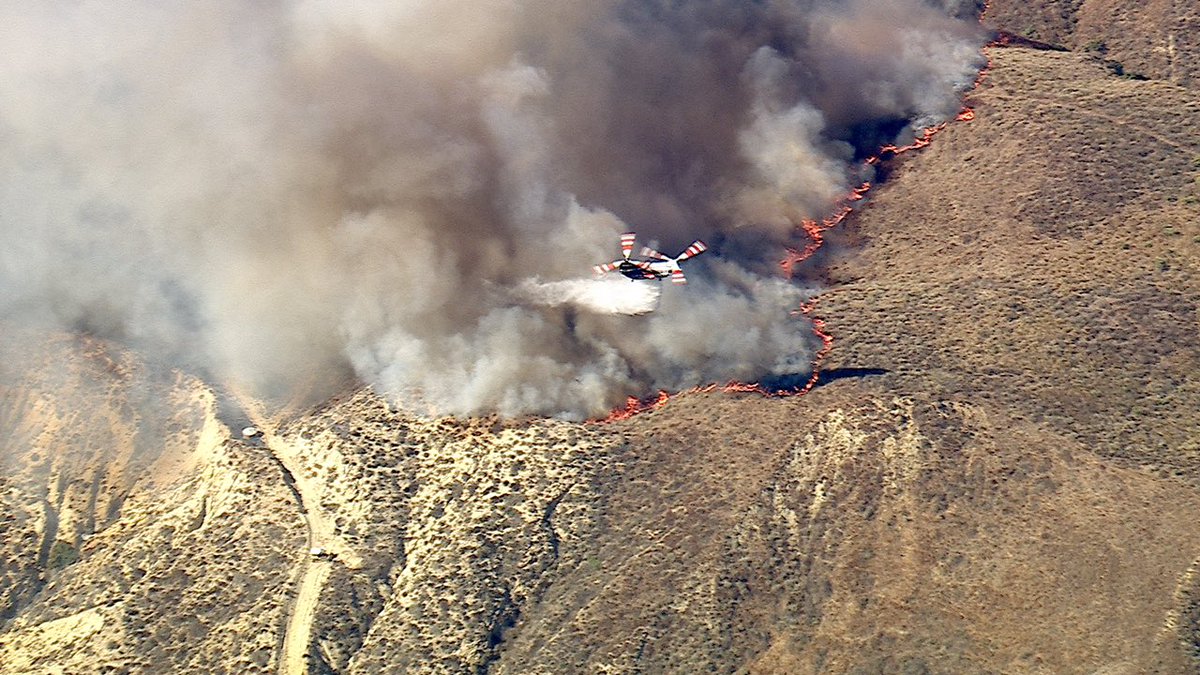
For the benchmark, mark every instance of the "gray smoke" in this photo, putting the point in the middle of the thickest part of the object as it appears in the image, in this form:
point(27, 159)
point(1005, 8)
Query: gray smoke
point(277, 191)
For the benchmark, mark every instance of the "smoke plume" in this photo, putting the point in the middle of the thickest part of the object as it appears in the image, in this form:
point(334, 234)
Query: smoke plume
point(416, 190)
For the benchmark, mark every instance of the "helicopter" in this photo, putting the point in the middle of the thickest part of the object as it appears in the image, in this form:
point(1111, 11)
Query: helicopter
point(658, 266)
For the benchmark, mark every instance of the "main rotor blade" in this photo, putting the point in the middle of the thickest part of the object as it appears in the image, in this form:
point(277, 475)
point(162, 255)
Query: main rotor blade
point(651, 253)
point(677, 276)
point(694, 250)
point(627, 244)
point(607, 267)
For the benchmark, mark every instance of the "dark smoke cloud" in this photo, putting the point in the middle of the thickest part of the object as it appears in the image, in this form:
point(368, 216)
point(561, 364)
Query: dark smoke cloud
point(276, 191)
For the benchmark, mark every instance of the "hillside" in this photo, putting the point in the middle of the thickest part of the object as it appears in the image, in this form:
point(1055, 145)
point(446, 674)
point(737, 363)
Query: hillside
point(1159, 39)
point(1018, 491)
point(1050, 264)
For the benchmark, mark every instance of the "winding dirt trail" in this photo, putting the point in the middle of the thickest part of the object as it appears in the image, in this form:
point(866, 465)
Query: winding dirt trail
point(322, 538)
point(304, 609)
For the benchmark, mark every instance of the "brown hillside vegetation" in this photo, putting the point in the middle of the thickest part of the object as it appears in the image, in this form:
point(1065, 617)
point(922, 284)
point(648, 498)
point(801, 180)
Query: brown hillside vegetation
point(1051, 267)
point(1157, 38)
point(1018, 494)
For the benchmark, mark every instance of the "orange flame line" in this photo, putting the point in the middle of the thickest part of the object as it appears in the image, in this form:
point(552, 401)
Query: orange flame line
point(634, 405)
point(826, 344)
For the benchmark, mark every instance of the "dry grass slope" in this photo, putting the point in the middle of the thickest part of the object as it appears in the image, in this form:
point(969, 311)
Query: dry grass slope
point(1158, 39)
point(1053, 269)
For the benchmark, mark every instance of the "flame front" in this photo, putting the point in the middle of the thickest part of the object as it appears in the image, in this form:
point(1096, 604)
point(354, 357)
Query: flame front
point(635, 405)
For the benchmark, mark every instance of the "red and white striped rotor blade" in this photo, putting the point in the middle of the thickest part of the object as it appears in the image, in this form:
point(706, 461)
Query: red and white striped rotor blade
point(627, 245)
point(651, 253)
point(677, 276)
point(606, 267)
point(694, 250)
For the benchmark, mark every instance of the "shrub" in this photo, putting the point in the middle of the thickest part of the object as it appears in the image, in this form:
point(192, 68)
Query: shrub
point(61, 555)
